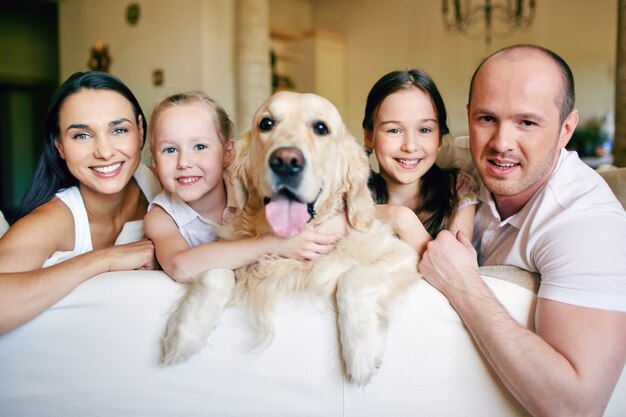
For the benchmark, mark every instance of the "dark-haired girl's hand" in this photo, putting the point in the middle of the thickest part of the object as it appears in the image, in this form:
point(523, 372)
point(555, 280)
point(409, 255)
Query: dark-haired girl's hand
point(405, 224)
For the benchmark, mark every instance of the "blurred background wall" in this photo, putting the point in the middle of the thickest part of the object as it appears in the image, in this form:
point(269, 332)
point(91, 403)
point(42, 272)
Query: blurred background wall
point(336, 48)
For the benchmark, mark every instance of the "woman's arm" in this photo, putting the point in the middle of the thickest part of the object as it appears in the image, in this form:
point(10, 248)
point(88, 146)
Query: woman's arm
point(35, 237)
point(26, 289)
point(182, 263)
point(25, 295)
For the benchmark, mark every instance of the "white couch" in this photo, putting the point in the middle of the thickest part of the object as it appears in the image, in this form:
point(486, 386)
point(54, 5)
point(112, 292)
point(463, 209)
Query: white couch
point(96, 353)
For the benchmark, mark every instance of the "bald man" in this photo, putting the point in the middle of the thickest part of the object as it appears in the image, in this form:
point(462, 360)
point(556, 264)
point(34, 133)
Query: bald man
point(542, 209)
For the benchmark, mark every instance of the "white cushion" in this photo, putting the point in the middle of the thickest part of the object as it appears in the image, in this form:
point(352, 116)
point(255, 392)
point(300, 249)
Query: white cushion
point(4, 225)
point(616, 178)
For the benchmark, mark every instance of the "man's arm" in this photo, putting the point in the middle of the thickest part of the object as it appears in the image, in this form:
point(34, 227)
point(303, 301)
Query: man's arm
point(568, 367)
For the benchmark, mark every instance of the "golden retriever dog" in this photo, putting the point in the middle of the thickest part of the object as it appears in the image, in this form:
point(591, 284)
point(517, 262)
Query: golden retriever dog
point(297, 167)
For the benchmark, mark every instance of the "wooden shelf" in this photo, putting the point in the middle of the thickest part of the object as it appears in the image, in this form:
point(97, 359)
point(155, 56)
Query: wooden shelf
point(287, 34)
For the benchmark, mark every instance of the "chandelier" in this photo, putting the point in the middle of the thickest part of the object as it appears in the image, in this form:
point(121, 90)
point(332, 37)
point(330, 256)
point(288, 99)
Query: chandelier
point(499, 19)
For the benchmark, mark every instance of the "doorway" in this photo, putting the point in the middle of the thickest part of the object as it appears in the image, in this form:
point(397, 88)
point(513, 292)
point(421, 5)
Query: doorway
point(29, 37)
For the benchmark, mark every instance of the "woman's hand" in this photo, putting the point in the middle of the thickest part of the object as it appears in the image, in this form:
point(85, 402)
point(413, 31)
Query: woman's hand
point(136, 255)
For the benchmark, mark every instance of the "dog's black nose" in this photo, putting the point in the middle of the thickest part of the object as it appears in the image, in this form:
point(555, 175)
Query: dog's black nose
point(287, 161)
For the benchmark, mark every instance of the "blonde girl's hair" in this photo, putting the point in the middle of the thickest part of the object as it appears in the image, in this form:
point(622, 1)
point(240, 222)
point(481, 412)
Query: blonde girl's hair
point(225, 127)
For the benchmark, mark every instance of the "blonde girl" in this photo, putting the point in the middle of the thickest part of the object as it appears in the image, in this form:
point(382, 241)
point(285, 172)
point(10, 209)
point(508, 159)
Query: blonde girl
point(191, 140)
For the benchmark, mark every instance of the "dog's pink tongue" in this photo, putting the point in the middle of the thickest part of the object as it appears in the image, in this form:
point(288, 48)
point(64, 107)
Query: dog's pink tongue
point(287, 217)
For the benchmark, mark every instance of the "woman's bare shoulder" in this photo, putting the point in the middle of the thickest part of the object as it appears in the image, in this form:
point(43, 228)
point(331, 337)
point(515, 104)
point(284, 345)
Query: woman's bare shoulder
point(36, 236)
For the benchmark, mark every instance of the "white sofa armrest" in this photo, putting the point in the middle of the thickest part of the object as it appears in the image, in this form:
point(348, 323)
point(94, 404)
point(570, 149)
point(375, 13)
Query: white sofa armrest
point(4, 225)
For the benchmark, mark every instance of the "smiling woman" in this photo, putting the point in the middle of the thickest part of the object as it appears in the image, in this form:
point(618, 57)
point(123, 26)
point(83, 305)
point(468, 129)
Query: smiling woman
point(98, 140)
point(89, 193)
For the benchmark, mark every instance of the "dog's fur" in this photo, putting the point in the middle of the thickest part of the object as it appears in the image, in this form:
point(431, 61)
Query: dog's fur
point(368, 269)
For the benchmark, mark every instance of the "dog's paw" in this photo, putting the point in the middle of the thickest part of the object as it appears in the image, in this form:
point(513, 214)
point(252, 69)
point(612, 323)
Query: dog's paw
point(197, 315)
point(180, 342)
point(363, 357)
point(363, 370)
point(363, 340)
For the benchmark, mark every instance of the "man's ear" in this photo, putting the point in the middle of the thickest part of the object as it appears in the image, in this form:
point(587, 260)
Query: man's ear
point(368, 139)
point(229, 153)
point(59, 146)
point(567, 128)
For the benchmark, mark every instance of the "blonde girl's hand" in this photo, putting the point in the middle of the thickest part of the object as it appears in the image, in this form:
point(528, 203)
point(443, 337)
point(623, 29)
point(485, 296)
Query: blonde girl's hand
point(136, 255)
point(306, 245)
point(337, 224)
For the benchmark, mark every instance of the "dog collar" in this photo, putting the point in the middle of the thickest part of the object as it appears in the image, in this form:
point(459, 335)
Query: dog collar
point(310, 208)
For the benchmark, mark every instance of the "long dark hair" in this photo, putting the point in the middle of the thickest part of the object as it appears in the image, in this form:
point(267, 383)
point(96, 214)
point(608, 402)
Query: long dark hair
point(437, 192)
point(51, 173)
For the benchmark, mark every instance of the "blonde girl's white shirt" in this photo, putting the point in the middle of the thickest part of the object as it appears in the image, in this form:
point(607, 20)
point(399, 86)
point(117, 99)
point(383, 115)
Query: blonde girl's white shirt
point(572, 232)
point(192, 226)
point(131, 231)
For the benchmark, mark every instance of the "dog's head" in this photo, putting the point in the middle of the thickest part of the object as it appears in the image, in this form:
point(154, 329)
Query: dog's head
point(301, 162)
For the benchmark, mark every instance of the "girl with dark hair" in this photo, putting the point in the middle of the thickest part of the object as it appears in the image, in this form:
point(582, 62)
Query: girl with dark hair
point(89, 194)
point(404, 124)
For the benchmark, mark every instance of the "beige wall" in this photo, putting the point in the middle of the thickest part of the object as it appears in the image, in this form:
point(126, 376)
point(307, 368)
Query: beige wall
point(398, 34)
point(192, 40)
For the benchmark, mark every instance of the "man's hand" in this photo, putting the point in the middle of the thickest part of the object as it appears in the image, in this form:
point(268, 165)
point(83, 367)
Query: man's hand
point(449, 264)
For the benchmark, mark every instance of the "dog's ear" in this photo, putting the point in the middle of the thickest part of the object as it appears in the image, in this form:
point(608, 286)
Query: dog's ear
point(359, 202)
point(235, 175)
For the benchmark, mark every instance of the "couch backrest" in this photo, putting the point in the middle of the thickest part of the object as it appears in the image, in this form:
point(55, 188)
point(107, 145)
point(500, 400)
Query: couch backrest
point(616, 178)
point(4, 225)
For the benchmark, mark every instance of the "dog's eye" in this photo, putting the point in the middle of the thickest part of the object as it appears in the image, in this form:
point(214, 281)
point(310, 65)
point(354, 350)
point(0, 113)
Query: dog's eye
point(266, 124)
point(320, 128)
